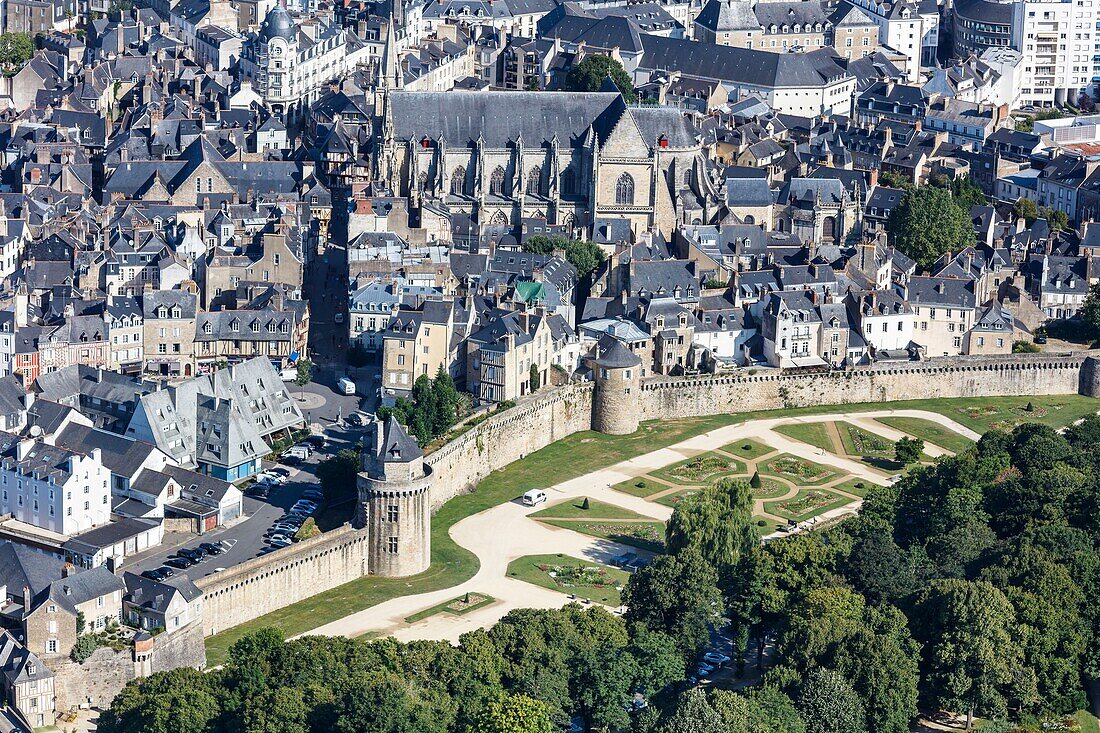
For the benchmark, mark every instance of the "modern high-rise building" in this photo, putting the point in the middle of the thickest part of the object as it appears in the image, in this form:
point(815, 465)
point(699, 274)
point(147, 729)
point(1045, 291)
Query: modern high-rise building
point(1056, 37)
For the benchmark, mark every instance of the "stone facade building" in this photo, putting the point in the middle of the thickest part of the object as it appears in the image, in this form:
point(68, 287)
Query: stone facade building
point(568, 158)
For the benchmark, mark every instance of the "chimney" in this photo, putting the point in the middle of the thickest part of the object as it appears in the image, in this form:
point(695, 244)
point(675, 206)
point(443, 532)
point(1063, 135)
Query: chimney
point(26, 598)
point(67, 569)
point(872, 178)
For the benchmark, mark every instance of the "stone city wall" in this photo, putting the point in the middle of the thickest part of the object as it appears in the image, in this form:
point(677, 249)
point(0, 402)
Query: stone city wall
point(283, 577)
point(972, 376)
point(458, 466)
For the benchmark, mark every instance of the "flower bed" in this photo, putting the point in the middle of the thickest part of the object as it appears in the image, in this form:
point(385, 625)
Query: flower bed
point(699, 469)
point(798, 470)
point(806, 504)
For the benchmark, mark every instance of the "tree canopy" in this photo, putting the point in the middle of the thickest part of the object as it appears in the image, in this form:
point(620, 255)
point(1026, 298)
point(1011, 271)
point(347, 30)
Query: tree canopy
point(927, 223)
point(589, 76)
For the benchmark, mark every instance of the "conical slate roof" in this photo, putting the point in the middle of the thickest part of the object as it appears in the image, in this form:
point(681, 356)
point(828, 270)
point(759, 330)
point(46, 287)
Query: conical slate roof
point(612, 354)
point(397, 446)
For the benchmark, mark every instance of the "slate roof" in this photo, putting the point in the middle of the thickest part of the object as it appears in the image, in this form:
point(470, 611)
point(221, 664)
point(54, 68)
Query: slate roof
point(741, 65)
point(612, 354)
point(397, 445)
point(157, 595)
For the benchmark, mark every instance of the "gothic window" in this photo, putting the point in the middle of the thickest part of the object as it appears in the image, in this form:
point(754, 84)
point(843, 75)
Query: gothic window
point(624, 190)
point(458, 182)
point(534, 181)
point(496, 182)
point(499, 219)
point(568, 182)
point(423, 180)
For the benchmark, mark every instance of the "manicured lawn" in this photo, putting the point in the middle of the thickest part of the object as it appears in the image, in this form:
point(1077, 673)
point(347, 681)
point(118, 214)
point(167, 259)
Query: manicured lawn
point(929, 432)
point(856, 486)
point(574, 509)
point(748, 449)
point(647, 535)
point(798, 470)
point(806, 504)
point(811, 433)
point(568, 458)
point(575, 456)
point(1087, 721)
point(699, 469)
point(676, 497)
point(982, 413)
point(641, 486)
point(769, 525)
point(572, 575)
point(456, 606)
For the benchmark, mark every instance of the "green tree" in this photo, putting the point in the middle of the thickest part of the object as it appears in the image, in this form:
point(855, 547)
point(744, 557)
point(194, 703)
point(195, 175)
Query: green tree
point(444, 402)
point(908, 450)
point(967, 193)
point(603, 679)
point(927, 223)
point(678, 595)
point(716, 521)
point(515, 714)
point(585, 257)
point(83, 648)
point(533, 376)
point(694, 714)
point(337, 475)
point(894, 179)
point(972, 653)
point(659, 660)
point(762, 710)
point(303, 373)
point(179, 701)
point(1090, 312)
point(1056, 219)
point(15, 48)
point(589, 76)
point(1025, 209)
point(829, 704)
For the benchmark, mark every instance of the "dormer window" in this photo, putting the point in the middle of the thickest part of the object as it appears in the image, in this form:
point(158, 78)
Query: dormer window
point(207, 328)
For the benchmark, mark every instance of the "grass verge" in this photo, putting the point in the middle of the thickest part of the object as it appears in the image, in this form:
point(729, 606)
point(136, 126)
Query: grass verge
point(645, 535)
point(811, 433)
point(455, 607)
point(641, 486)
point(747, 449)
point(929, 432)
point(574, 509)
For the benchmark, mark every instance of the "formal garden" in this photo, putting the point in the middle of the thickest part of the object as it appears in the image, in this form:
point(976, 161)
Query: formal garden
point(571, 575)
point(806, 504)
point(798, 470)
point(455, 607)
point(700, 469)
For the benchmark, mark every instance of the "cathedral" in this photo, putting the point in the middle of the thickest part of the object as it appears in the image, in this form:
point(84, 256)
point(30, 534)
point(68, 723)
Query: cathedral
point(569, 158)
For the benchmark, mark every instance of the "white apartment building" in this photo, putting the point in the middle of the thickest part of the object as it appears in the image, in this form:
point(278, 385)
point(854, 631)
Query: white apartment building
point(53, 488)
point(904, 29)
point(1056, 39)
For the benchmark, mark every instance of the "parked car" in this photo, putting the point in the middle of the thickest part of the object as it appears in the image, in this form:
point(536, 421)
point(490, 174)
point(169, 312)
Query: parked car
point(259, 491)
point(305, 504)
point(313, 494)
point(534, 497)
point(302, 447)
point(716, 658)
point(358, 418)
point(707, 667)
point(345, 386)
point(276, 471)
point(269, 479)
point(291, 459)
point(212, 548)
point(281, 542)
point(179, 562)
point(194, 555)
point(156, 575)
point(702, 672)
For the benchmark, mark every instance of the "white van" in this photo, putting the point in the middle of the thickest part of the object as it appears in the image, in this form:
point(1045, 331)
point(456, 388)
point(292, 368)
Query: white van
point(345, 386)
point(533, 497)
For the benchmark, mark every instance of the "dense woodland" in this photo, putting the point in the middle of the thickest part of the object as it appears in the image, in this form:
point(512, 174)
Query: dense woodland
point(967, 586)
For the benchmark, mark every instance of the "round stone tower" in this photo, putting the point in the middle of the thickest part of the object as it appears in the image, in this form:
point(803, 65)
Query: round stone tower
point(617, 372)
point(395, 501)
point(1089, 380)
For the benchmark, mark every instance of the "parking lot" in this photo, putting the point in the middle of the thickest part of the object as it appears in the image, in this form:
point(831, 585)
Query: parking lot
point(245, 539)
